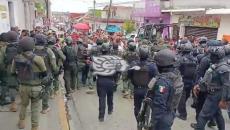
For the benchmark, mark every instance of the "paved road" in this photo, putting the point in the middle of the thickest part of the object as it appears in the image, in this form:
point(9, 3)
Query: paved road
point(84, 109)
point(54, 120)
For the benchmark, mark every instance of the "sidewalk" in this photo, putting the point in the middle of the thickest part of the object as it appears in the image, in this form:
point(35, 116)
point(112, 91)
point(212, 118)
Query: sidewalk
point(54, 120)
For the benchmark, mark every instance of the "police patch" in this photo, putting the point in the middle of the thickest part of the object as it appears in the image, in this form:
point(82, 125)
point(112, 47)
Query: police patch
point(162, 89)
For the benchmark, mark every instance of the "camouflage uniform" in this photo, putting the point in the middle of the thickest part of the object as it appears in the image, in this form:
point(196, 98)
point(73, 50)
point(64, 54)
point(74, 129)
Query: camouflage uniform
point(50, 62)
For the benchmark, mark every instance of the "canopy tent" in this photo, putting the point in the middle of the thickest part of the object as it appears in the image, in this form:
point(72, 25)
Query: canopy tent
point(113, 28)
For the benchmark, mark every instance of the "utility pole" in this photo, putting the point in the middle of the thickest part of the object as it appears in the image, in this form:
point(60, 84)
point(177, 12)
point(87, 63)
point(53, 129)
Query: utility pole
point(94, 15)
point(47, 13)
point(110, 4)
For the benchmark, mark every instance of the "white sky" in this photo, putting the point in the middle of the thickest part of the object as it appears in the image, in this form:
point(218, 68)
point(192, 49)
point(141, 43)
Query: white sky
point(77, 5)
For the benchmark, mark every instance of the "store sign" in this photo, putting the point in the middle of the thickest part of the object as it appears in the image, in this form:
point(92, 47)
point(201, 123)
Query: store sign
point(200, 21)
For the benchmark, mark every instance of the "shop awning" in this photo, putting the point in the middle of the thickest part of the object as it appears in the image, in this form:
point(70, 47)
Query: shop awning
point(218, 11)
point(184, 10)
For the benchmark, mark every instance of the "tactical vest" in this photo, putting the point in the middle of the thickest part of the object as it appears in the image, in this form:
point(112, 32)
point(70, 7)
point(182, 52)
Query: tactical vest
point(174, 79)
point(131, 56)
point(55, 51)
point(141, 77)
point(44, 54)
point(24, 69)
point(188, 67)
point(11, 52)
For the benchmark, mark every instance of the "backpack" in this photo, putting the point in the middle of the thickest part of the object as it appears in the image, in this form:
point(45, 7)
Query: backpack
point(141, 77)
point(24, 68)
point(55, 51)
point(11, 52)
point(188, 67)
point(44, 54)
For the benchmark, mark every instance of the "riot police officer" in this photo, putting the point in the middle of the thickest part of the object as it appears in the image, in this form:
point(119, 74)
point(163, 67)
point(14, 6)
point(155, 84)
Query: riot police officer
point(216, 84)
point(204, 64)
point(47, 54)
point(105, 88)
point(187, 68)
point(141, 77)
point(166, 91)
point(70, 67)
point(30, 70)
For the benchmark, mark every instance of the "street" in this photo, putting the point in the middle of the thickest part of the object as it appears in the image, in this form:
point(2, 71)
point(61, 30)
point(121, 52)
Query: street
point(86, 110)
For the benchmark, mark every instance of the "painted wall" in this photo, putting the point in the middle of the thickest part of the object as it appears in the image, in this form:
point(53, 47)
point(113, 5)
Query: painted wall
point(224, 26)
point(200, 3)
point(4, 16)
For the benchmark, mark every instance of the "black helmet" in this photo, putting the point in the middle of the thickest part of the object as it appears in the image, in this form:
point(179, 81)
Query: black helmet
point(69, 40)
point(217, 51)
point(3, 37)
point(165, 58)
point(51, 40)
point(105, 47)
point(227, 49)
point(12, 36)
point(203, 40)
point(144, 51)
point(212, 43)
point(27, 44)
point(131, 46)
point(99, 42)
point(40, 39)
point(187, 47)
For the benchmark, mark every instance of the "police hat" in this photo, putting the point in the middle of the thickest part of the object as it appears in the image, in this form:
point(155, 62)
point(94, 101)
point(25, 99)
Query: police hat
point(165, 58)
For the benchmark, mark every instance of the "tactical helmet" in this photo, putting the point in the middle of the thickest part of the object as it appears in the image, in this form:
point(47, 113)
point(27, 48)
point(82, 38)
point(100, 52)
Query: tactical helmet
point(3, 37)
point(40, 39)
point(68, 40)
point(12, 36)
point(203, 40)
point(51, 40)
point(217, 51)
point(27, 44)
point(187, 47)
point(105, 47)
point(99, 42)
point(131, 46)
point(227, 49)
point(144, 51)
point(165, 58)
point(212, 43)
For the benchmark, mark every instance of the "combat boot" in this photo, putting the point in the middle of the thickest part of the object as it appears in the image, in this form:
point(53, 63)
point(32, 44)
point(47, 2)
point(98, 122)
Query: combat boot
point(34, 128)
point(13, 107)
point(21, 124)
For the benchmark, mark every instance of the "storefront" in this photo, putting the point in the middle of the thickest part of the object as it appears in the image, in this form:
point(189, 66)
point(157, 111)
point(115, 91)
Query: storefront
point(206, 25)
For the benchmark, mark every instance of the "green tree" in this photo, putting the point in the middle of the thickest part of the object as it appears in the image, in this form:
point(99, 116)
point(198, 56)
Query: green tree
point(129, 26)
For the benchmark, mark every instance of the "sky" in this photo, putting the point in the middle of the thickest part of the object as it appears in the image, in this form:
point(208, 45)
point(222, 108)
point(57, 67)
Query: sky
point(77, 6)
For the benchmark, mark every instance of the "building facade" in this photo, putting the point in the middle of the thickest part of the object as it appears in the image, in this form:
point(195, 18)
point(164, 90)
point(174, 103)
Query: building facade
point(19, 13)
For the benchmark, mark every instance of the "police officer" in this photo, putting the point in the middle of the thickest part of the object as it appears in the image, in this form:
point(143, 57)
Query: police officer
point(166, 91)
point(30, 70)
point(70, 67)
point(130, 56)
point(10, 52)
point(50, 62)
point(60, 58)
point(141, 77)
point(227, 58)
point(204, 64)
point(187, 67)
point(216, 84)
point(105, 88)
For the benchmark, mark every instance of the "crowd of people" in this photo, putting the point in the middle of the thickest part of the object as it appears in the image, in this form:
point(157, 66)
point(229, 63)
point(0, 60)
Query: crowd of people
point(32, 62)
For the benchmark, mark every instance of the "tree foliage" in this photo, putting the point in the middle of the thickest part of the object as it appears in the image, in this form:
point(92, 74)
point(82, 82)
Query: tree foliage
point(129, 26)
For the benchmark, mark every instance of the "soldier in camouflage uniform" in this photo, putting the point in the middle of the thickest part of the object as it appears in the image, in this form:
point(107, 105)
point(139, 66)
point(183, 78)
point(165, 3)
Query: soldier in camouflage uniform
point(60, 58)
point(50, 62)
point(130, 55)
point(30, 70)
point(10, 52)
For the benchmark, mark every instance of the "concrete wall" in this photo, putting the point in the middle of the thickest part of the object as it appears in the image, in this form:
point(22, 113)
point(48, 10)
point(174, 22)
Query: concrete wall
point(224, 26)
point(124, 13)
